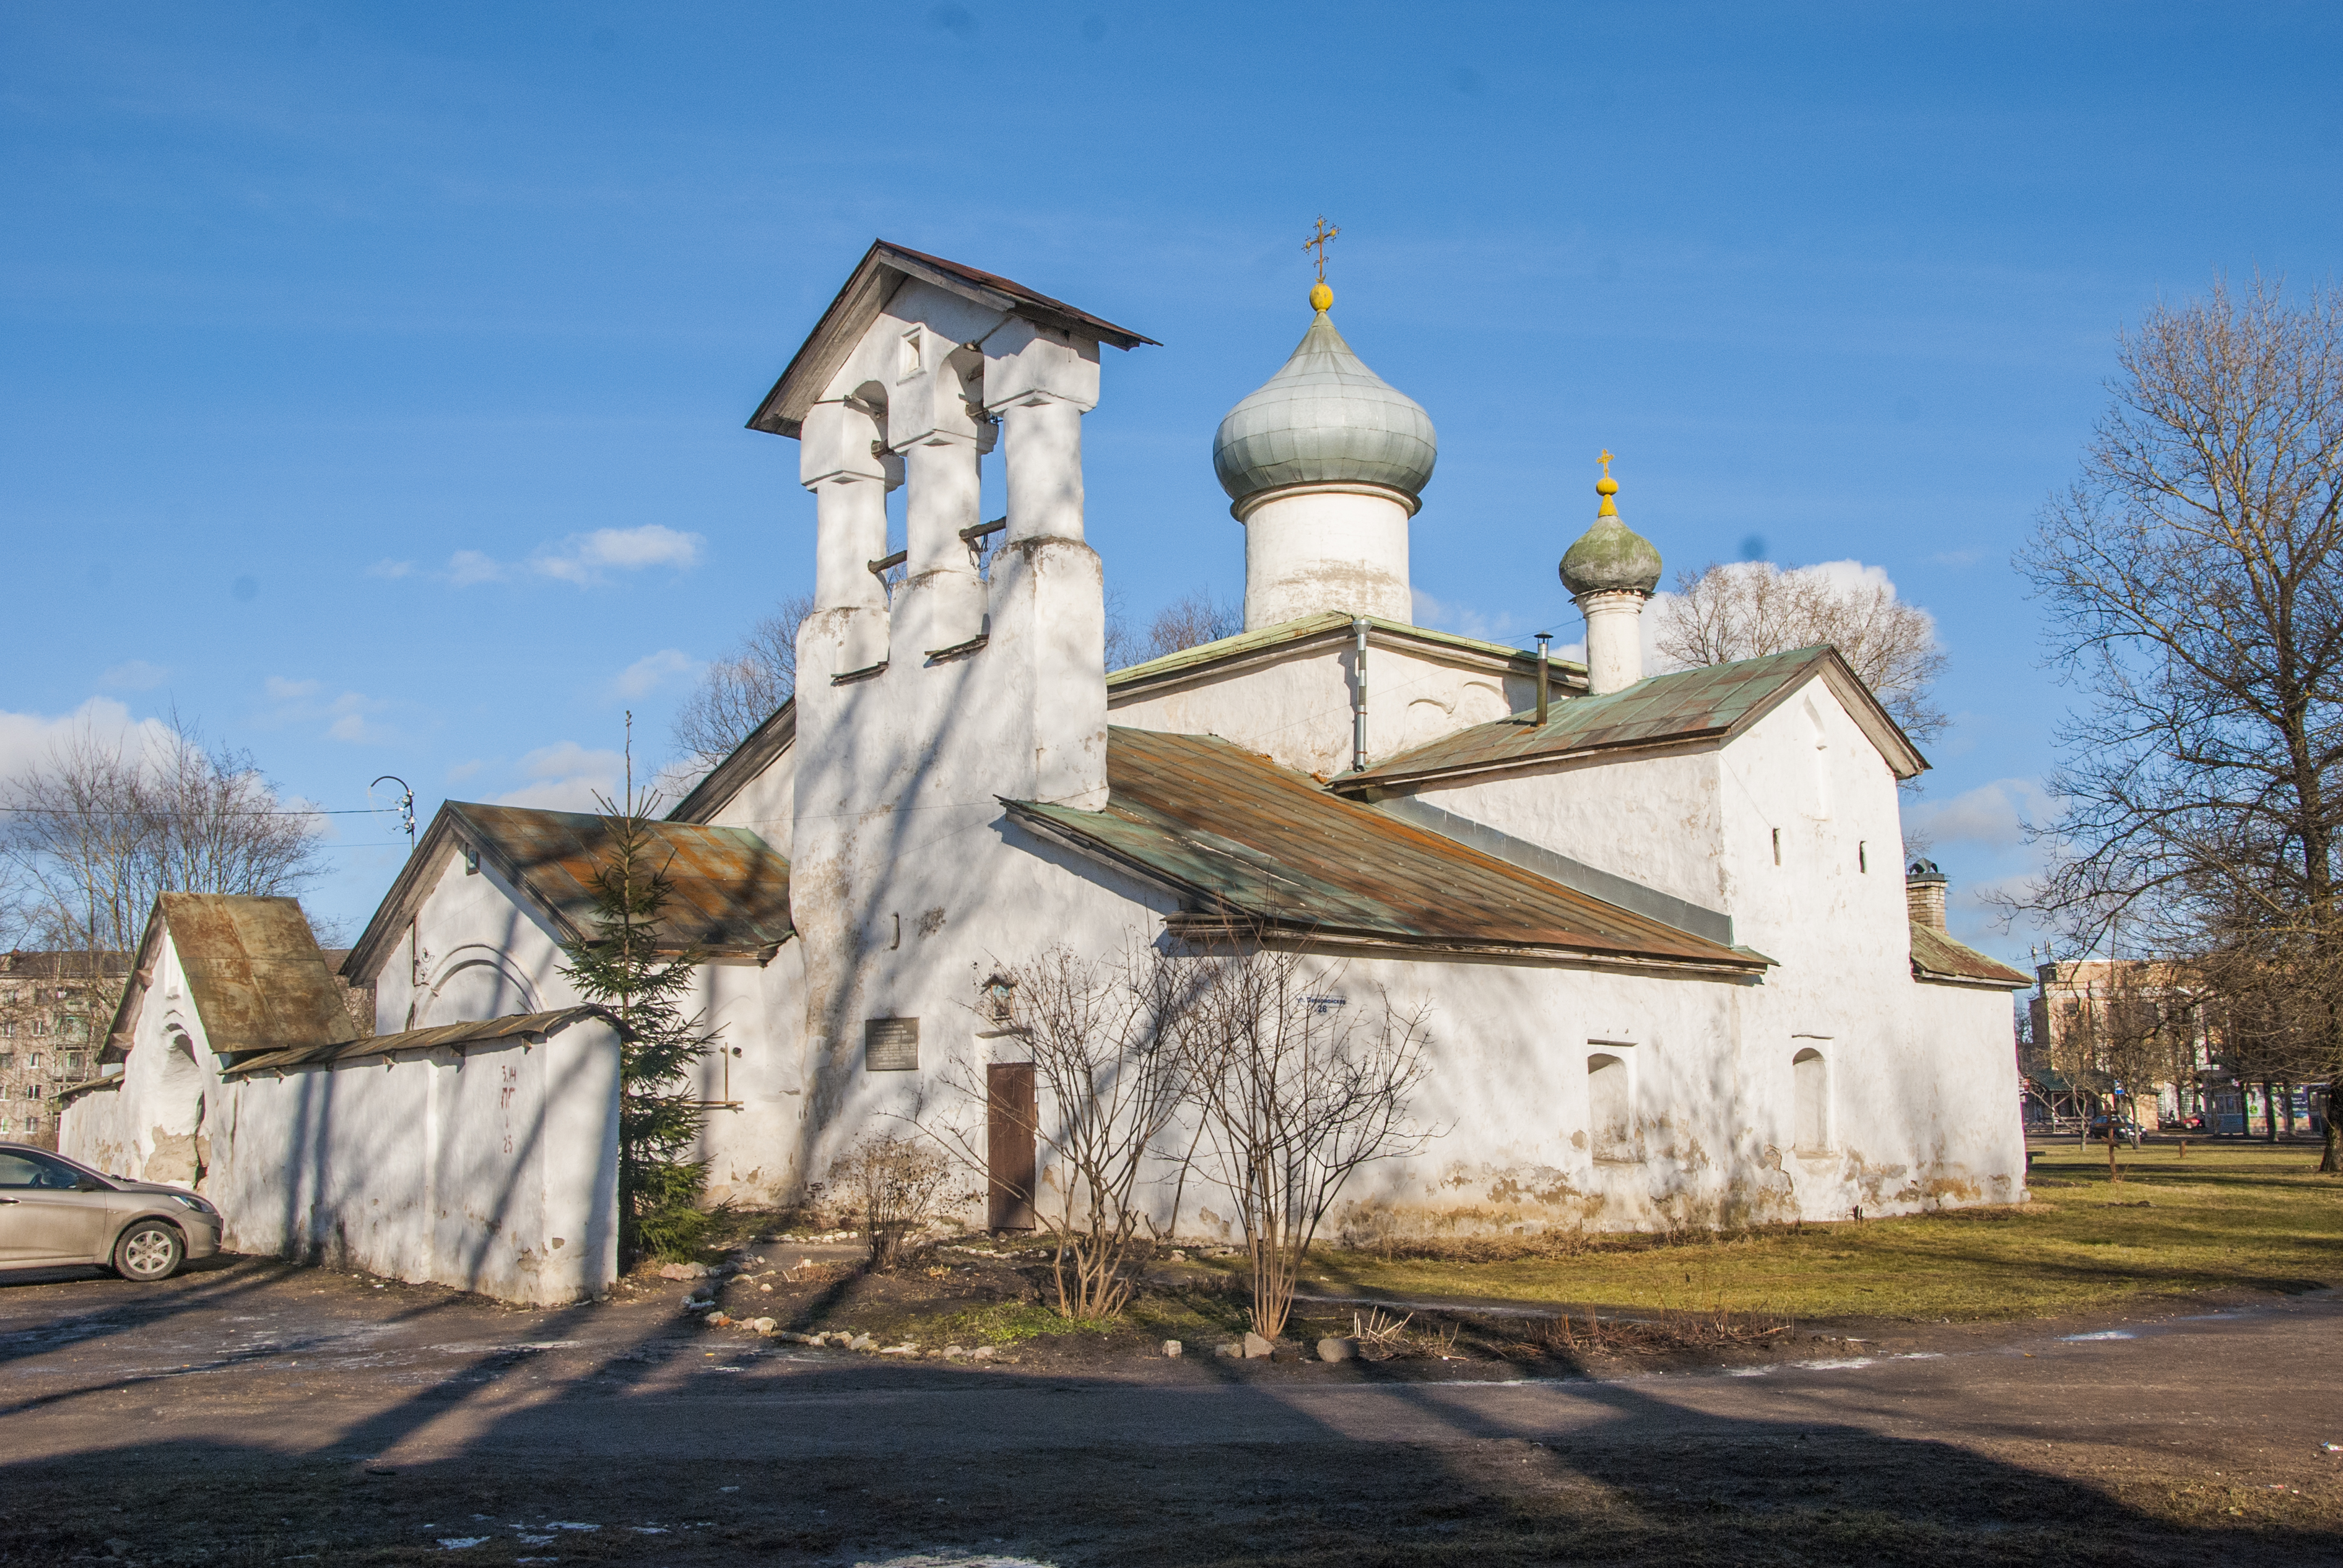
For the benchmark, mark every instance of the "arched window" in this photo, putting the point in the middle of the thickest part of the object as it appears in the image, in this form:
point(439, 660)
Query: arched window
point(1810, 1091)
point(1609, 1119)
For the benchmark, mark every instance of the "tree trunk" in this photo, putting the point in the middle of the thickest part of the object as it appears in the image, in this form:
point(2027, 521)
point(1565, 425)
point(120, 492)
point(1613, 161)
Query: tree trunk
point(2269, 1114)
point(2115, 1171)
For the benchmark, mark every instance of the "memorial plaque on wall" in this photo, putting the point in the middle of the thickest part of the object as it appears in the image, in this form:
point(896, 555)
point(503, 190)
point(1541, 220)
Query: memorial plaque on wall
point(890, 1044)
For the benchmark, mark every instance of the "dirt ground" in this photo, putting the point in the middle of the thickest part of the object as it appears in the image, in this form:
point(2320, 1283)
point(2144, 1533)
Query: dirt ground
point(250, 1413)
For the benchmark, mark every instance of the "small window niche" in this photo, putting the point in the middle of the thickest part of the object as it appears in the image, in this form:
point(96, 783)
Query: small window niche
point(1610, 1101)
point(1810, 1102)
point(908, 357)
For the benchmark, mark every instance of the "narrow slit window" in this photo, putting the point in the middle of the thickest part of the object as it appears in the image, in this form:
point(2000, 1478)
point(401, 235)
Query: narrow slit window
point(1610, 1122)
point(1810, 1093)
point(1777, 846)
point(1862, 856)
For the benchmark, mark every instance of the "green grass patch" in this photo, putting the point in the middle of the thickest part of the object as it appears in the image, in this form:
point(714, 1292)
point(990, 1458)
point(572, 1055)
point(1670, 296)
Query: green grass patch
point(2224, 1217)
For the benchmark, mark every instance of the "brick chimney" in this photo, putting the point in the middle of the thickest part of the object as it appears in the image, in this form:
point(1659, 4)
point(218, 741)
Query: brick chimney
point(1923, 894)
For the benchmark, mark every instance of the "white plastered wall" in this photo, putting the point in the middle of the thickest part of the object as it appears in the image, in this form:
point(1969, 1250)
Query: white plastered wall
point(1297, 708)
point(492, 1169)
point(480, 949)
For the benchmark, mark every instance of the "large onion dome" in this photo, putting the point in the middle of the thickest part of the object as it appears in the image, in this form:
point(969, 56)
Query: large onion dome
point(1324, 418)
point(1610, 557)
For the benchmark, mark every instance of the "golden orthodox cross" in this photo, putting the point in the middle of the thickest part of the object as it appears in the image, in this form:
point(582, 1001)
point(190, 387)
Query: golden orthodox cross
point(1605, 461)
point(1318, 242)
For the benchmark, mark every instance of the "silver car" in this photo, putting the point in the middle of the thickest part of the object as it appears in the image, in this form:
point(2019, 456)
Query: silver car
point(55, 1211)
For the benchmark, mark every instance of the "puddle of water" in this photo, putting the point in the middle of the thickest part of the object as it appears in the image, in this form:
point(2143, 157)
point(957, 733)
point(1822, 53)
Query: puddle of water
point(2102, 1334)
point(1748, 1372)
point(1919, 1356)
point(1841, 1364)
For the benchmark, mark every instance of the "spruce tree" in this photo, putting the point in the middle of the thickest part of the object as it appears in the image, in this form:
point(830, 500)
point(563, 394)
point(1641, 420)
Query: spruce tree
point(627, 967)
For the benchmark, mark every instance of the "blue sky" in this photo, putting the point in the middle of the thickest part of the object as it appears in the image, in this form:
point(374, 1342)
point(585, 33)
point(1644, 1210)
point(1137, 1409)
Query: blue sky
point(372, 377)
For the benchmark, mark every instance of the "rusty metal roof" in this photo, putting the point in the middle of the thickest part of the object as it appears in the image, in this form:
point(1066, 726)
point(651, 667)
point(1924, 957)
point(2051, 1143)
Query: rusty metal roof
point(1937, 957)
point(255, 975)
point(731, 889)
point(1241, 838)
point(882, 270)
point(487, 1031)
point(1711, 703)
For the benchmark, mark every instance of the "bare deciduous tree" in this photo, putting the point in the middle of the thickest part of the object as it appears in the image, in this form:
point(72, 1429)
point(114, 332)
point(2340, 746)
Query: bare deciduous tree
point(1748, 609)
point(1190, 621)
point(744, 688)
point(2193, 576)
point(1296, 1090)
point(101, 826)
point(1107, 1083)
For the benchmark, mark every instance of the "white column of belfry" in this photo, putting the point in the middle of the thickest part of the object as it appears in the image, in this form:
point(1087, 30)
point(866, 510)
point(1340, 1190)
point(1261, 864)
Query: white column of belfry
point(1049, 591)
point(850, 484)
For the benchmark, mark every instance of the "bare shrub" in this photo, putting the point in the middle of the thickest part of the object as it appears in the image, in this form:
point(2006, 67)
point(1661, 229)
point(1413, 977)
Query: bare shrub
point(1107, 1083)
point(1295, 1091)
point(894, 1187)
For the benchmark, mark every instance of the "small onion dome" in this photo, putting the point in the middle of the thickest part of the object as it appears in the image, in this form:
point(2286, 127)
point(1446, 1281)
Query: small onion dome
point(1610, 557)
point(1324, 418)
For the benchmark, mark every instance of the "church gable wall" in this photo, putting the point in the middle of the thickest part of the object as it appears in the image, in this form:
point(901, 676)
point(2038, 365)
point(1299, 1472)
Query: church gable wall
point(1656, 820)
point(1298, 709)
point(767, 804)
point(486, 951)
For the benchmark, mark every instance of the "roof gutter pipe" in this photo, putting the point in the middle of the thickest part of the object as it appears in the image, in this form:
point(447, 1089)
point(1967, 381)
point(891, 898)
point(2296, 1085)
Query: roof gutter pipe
point(1543, 639)
point(1358, 695)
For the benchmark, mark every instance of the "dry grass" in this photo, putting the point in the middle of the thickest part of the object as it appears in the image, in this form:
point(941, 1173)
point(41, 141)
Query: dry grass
point(2224, 1217)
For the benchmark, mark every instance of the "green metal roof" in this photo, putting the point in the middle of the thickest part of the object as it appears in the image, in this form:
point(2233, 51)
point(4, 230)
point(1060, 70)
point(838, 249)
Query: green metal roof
point(1710, 703)
point(1309, 625)
point(1243, 838)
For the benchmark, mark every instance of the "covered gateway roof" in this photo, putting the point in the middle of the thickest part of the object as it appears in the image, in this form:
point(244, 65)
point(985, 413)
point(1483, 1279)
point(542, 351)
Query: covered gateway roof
point(1713, 703)
point(1937, 957)
point(255, 975)
point(731, 889)
point(487, 1031)
point(1241, 838)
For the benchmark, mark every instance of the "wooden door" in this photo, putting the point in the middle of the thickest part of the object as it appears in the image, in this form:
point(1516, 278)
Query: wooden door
point(1008, 1112)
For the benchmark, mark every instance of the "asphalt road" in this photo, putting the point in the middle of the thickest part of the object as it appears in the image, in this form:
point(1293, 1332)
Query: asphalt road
point(257, 1413)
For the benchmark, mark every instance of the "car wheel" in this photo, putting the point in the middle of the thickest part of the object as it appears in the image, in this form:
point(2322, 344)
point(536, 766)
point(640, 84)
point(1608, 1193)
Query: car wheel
point(149, 1250)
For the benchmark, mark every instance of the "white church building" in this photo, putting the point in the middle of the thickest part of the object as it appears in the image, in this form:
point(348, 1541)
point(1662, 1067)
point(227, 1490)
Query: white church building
point(1658, 923)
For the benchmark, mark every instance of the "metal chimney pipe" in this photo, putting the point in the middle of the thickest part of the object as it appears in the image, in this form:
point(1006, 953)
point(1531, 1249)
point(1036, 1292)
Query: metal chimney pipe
point(1543, 639)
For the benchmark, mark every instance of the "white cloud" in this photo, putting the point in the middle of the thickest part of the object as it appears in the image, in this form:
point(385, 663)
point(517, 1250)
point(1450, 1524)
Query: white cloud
point(566, 777)
point(629, 550)
point(28, 738)
point(463, 770)
point(390, 568)
point(1441, 615)
point(582, 558)
point(349, 718)
point(466, 567)
point(1992, 816)
point(134, 674)
point(280, 689)
point(650, 672)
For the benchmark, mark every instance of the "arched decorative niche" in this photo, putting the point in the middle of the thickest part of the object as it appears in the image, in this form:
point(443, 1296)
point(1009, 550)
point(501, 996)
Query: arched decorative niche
point(1610, 1107)
point(1810, 1102)
point(473, 984)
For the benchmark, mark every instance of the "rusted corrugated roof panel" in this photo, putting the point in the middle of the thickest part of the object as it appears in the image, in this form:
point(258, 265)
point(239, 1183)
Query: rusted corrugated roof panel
point(456, 1035)
point(731, 891)
point(1935, 956)
point(1242, 837)
point(1710, 703)
point(255, 973)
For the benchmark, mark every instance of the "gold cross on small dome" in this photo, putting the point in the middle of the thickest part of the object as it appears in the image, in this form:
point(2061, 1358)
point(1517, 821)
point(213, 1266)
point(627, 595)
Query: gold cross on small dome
point(1605, 461)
